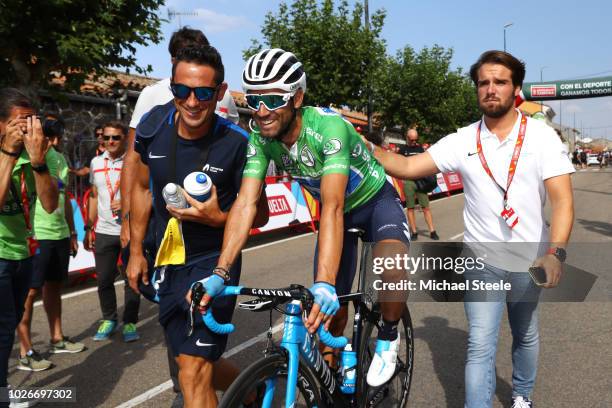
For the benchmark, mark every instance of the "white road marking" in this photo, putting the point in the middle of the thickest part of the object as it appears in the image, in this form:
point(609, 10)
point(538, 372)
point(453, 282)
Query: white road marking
point(437, 200)
point(78, 293)
point(454, 237)
point(277, 242)
point(168, 384)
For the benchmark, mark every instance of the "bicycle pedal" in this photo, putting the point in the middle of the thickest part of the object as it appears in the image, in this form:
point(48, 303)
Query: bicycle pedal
point(377, 395)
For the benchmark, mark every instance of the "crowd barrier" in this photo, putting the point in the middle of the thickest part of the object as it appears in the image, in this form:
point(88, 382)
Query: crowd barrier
point(289, 204)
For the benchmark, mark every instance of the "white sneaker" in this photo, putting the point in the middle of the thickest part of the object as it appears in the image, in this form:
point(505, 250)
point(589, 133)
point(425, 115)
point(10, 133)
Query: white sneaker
point(383, 364)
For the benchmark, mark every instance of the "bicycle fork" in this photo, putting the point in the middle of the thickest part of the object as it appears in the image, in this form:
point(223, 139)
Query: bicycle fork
point(296, 341)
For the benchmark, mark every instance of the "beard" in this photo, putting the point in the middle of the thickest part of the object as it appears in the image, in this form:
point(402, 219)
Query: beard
point(283, 128)
point(497, 111)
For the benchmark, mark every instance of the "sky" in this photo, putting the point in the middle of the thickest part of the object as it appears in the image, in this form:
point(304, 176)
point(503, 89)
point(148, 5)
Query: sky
point(559, 39)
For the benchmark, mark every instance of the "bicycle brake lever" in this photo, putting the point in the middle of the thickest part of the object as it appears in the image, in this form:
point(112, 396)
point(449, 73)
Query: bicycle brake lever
point(197, 293)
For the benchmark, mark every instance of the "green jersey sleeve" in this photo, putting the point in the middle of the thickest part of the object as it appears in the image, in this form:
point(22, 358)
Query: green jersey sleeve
point(336, 146)
point(257, 158)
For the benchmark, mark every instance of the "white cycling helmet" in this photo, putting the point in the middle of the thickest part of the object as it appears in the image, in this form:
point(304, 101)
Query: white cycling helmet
point(273, 68)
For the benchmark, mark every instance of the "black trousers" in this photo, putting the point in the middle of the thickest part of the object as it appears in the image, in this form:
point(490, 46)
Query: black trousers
point(107, 252)
point(14, 285)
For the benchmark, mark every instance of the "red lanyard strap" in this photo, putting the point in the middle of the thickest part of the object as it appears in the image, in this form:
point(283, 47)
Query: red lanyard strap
point(111, 191)
point(515, 155)
point(25, 201)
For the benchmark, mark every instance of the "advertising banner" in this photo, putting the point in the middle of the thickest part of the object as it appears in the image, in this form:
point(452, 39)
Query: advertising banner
point(579, 88)
point(287, 206)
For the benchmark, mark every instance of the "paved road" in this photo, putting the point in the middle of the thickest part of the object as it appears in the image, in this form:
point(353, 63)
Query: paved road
point(575, 356)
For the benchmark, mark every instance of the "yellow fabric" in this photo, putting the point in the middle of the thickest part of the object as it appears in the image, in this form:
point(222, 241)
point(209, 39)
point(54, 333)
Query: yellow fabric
point(172, 248)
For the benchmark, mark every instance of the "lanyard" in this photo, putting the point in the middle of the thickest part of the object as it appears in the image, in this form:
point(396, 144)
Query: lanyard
point(204, 149)
point(515, 156)
point(22, 199)
point(112, 191)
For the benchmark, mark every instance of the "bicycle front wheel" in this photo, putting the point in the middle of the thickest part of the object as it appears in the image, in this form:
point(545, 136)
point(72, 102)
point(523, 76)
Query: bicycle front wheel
point(395, 392)
point(271, 371)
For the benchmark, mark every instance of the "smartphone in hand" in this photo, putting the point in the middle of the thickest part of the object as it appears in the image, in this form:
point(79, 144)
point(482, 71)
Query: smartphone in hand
point(538, 275)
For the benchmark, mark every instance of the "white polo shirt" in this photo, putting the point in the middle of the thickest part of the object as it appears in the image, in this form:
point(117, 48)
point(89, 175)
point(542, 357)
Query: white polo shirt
point(101, 166)
point(159, 93)
point(542, 156)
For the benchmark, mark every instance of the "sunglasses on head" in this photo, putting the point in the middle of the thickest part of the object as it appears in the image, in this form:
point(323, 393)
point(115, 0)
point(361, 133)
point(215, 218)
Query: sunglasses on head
point(202, 93)
point(272, 101)
point(116, 138)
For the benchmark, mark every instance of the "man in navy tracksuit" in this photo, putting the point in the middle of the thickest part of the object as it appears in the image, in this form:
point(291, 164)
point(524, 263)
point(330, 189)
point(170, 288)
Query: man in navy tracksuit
point(173, 140)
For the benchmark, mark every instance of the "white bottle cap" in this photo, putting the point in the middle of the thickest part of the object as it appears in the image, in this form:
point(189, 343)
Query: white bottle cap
point(170, 188)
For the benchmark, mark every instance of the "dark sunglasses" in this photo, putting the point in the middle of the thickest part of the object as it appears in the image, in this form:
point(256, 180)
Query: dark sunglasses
point(202, 93)
point(271, 101)
point(115, 138)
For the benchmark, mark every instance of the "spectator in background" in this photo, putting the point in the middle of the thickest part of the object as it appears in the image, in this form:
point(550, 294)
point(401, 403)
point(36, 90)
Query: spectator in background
point(99, 132)
point(104, 210)
point(24, 175)
point(583, 159)
point(84, 171)
point(412, 148)
point(575, 158)
point(57, 239)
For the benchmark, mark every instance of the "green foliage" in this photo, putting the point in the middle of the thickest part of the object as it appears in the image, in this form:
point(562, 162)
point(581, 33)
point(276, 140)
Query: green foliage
point(75, 38)
point(420, 90)
point(339, 54)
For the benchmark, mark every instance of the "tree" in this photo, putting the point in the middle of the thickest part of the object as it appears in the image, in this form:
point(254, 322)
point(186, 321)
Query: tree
point(43, 39)
point(420, 90)
point(339, 54)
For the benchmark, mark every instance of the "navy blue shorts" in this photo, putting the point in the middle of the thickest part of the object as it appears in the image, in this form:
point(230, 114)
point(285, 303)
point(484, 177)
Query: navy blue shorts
point(51, 262)
point(174, 309)
point(381, 218)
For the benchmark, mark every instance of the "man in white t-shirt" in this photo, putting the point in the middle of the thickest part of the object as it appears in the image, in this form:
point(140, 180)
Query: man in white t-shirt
point(103, 211)
point(509, 164)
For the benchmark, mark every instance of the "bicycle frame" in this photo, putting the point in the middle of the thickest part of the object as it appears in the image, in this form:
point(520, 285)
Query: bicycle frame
point(297, 342)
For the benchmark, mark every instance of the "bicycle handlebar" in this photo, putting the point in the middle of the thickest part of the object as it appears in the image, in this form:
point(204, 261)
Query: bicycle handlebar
point(294, 292)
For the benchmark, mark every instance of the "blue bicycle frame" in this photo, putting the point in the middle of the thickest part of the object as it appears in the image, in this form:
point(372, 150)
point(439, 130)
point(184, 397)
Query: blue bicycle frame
point(296, 341)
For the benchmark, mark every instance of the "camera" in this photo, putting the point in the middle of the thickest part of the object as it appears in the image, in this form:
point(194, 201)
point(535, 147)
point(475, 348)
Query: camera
point(52, 126)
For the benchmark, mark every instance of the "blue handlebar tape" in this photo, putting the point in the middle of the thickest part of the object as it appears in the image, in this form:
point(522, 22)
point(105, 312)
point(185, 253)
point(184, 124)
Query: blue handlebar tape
point(333, 342)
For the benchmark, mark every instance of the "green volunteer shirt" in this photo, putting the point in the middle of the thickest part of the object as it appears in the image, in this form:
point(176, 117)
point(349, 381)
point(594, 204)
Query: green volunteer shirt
point(53, 226)
point(13, 232)
point(327, 144)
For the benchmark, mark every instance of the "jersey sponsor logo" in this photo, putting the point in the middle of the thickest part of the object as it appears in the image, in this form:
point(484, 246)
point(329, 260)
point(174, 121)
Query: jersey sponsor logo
point(251, 171)
point(332, 146)
point(200, 344)
point(152, 156)
point(278, 205)
point(357, 150)
point(312, 133)
point(335, 166)
point(287, 162)
point(212, 169)
point(307, 157)
point(251, 151)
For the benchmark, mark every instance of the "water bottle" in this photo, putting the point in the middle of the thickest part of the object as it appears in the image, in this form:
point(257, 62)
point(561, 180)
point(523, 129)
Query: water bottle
point(198, 185)
point(173, 196)
point(348, 366)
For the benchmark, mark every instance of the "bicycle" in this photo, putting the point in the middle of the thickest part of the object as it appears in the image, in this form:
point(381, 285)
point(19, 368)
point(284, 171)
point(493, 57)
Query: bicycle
point(298, 366)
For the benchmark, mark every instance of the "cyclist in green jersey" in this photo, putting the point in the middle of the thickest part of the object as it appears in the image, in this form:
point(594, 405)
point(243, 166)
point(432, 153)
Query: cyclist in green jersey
point(324, 153)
